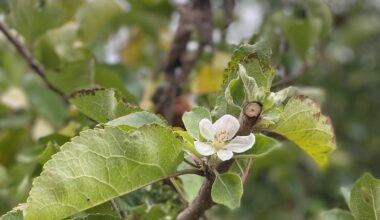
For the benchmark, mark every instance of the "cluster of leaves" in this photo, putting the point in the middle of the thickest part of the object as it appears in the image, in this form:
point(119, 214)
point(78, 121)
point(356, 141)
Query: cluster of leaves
point(135, 148)
point(84, 167)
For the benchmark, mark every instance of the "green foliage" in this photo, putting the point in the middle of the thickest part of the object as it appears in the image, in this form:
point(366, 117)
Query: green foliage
point(74, 76)
point(227, 190)
point(365, 198)
point(191, 185)
point(13, 215)
point(69, 184)
point(191, 120)
point(100, 104)
point(137, 119)
point(256, 60)
point(33, 18)
point(47, 104)
point(118, 45)
point(96, 217)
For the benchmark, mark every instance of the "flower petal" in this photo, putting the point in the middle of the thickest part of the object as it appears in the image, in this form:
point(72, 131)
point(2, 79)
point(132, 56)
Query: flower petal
point(206, 129)
point(227, 123)
point(241, 143)
point(225, 154)
point(203, 148)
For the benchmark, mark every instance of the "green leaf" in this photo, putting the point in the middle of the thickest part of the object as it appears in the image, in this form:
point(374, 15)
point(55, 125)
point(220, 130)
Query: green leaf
point(227, 190)
point(107, 78)
point(346, 193)
point(102, 164)
point(191, 185)
point(90, 26)
point(303, 123)
point(365, 198)
point(96, 217)
point(13, 215)
point(138, 119)
point(191, 120)
point(188, 142)
point(50, 150)
point(34, 17)
point(263, 146)
point(320, 10)
point(336, 214)
point(46, 103)
point(100, 104)
point(73, 76)
point(234, 94)
point(302, 33)
point(256, 60)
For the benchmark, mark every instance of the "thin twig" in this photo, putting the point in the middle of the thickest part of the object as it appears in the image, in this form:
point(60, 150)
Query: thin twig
point(181, 195)
point(186, 171)
point(27, 55)
point(190, 163)
point(116, 209)
point(246, 171)
point(290, 78)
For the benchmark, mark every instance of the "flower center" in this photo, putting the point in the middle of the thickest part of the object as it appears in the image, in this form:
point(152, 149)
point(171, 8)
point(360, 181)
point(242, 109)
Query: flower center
point(220, 139)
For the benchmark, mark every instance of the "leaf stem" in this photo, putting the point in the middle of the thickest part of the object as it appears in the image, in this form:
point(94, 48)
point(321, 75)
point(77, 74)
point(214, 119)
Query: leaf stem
point(246, 171)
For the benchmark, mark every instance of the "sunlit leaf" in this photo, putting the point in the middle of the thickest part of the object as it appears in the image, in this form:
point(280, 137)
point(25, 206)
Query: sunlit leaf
point(137, 119)
point(100, 165)
point(100, 104)
point(303, 123)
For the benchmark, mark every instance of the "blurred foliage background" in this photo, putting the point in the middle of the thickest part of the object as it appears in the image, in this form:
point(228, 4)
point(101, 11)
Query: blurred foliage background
point(329, 49)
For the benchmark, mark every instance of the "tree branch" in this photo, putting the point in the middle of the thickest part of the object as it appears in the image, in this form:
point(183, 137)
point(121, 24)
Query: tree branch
point(248, 118)
point(194, 18)
point(27, 55)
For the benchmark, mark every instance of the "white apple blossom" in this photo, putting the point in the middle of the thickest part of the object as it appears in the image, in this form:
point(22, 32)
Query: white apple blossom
point(220, 138)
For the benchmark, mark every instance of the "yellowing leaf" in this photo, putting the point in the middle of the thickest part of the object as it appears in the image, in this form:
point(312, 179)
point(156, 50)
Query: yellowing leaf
point(303, 123)
point(208, 80)
point(210, 76)
point(131, 53)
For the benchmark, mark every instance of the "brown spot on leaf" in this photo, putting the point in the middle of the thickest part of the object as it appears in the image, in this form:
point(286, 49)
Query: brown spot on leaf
point(86, 92)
